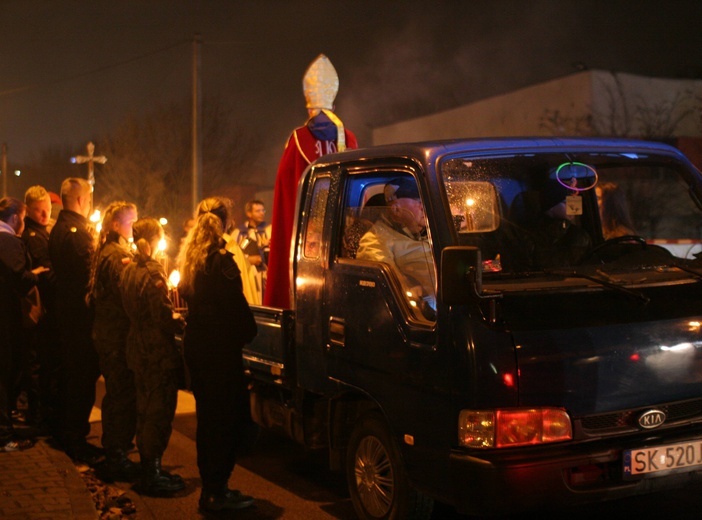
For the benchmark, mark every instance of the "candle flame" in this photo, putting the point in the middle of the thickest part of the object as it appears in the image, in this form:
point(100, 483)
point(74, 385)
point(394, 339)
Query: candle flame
point(174, 278)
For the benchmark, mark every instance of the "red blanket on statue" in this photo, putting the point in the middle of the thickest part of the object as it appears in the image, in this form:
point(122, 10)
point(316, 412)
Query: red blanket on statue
point(301, 149)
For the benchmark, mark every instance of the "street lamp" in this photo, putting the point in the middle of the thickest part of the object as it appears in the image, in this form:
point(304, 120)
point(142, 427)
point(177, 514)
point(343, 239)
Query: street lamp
point(4, 171)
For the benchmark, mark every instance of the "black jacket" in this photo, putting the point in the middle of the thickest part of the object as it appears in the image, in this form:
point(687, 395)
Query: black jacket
point(36, 240)
point(16, 280)
point(216, 301)
point(71, 246)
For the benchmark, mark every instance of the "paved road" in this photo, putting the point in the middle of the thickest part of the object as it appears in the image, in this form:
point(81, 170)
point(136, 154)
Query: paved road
point(290, 483)
point(287, 482)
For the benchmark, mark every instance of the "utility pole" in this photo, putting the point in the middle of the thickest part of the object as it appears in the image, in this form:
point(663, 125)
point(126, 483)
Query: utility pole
point(4, 170)
point(197, 124)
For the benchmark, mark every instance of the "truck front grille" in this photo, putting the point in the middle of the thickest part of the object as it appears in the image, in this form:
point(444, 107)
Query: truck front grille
point(622, 421)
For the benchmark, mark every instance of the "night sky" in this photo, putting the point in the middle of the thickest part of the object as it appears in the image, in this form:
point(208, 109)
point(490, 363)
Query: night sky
point(70, 70)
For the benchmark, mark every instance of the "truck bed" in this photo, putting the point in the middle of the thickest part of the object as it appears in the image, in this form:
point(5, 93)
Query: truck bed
point(270, 356)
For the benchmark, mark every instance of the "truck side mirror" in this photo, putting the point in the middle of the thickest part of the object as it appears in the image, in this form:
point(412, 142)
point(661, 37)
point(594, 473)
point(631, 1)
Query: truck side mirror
point(461, 274)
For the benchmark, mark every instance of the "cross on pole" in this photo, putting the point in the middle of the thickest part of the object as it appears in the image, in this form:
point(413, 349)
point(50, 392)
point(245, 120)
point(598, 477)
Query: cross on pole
point(91, 160)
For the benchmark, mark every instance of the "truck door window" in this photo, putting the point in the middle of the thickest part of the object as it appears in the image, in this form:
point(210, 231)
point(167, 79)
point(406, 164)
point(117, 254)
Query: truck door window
point(359, 217)
point(396, 234)
point(315, 222)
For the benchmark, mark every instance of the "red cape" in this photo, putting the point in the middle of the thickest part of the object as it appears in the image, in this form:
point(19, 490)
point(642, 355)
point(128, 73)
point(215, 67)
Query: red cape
point(301, 149)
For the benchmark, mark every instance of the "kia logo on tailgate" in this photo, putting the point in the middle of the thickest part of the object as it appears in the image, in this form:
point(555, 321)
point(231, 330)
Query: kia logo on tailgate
point(651, 419)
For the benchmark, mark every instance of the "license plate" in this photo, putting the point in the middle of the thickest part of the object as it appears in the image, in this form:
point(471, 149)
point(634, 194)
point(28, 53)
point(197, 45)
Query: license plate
point(659, 459)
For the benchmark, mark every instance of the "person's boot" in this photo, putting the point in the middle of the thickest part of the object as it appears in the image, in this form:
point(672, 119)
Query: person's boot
point(228, 499)
point(118, 467)
point(156, 481)
point(83, 451)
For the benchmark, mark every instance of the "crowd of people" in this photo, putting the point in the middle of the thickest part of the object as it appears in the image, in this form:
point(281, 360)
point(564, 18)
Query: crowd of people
point(107, 310)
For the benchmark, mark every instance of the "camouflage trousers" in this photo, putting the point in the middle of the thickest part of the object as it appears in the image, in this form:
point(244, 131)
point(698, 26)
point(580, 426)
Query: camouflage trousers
point(119, 402)
point(156, 396)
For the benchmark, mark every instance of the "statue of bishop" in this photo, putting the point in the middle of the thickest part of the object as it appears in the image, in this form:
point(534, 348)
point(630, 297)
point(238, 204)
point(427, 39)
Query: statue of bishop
point(323, 133)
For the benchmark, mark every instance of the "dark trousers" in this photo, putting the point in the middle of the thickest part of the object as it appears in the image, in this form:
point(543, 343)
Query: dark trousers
point(157, 397)
point(49, 358)
point(27, 376)
point(12, 342)
point(222, 407)
point(80, 371)
point(6, 382)
point(119, 412)
point(37, 369)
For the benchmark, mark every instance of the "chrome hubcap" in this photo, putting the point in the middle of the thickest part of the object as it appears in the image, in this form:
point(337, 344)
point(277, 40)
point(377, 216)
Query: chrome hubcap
point(375, 479)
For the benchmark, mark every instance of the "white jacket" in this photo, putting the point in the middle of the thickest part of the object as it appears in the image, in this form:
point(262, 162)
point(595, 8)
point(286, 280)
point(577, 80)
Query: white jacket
point(410, 258)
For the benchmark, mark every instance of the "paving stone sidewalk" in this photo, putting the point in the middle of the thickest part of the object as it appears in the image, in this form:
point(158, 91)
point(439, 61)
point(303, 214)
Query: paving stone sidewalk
point(42, 483)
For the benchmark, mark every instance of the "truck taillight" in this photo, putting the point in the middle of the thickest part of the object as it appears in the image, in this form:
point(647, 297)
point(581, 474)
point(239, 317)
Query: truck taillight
point(513, 427)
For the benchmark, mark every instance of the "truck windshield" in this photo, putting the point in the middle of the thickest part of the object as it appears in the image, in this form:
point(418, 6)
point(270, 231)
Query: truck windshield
point(611, 216)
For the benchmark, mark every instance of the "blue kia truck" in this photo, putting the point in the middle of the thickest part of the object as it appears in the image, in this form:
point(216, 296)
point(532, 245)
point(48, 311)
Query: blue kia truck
point(537, 344)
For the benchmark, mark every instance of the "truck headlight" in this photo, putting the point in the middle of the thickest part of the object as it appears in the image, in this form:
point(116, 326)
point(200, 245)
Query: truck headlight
point(513, 427)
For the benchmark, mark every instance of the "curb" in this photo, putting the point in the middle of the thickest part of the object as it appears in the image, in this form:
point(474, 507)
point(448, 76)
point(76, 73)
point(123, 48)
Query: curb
point(43, 483)
point(82, 503)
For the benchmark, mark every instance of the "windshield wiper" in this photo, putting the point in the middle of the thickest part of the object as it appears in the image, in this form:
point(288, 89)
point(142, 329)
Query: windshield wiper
point(604, 282)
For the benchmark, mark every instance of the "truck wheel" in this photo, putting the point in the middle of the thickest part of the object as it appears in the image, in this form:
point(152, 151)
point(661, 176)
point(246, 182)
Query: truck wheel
point(377, 482)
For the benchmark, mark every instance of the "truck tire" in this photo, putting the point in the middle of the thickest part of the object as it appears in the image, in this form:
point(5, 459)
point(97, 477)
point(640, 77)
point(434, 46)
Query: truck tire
point(376, 478)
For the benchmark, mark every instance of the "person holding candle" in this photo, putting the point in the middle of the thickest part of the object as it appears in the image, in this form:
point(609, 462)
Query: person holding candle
point(152, 356)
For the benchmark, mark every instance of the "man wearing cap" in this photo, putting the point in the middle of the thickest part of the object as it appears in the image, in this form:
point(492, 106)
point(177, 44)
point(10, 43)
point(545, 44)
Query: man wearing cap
point(398, 238)
point(322, 134)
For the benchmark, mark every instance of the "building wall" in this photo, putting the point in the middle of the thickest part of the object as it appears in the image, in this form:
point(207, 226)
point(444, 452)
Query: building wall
point(585, 103)
point(624, 104)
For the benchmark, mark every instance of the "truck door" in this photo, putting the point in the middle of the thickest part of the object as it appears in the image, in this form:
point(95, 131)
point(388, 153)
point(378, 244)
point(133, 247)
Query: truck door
point(311, 261)
point(380, 308)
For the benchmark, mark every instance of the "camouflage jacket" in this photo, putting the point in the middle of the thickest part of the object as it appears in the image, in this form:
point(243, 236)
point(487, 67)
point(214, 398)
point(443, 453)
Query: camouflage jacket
point(152, 327)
